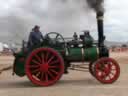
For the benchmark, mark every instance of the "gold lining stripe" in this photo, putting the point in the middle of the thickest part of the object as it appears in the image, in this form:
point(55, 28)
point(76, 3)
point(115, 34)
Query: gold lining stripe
point(82, 51)
point(100, 18)
point(97, 52)
point(67, 52)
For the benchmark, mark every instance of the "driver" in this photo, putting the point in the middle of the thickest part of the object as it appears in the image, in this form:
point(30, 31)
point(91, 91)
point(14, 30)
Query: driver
point(35, 36)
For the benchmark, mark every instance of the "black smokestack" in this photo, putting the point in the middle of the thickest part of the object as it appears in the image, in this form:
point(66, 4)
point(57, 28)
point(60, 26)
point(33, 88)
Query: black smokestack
point(100, 26)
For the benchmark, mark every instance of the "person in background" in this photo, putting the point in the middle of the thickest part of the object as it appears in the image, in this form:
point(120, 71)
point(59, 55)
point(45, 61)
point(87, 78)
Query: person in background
point(35, 37)
point(75, 40)
point(75, 36)
point(88, 40)
point(87, 34)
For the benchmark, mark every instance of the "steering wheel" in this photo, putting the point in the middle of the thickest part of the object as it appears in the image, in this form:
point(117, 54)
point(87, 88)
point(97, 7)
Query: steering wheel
point(55, 38)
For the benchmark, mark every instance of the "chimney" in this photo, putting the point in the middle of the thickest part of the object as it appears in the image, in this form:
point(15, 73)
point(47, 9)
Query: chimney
point(100, 27)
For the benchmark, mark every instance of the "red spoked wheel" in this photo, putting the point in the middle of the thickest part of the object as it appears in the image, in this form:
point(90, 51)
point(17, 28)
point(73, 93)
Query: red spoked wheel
point(107, 70)
point(44, 66)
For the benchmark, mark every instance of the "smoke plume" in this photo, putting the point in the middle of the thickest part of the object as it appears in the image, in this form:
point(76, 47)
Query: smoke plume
point(63, 16)
point(97, 5)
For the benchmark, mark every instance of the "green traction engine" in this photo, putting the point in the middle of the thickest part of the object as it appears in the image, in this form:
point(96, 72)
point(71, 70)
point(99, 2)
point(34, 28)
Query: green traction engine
point(45, 63)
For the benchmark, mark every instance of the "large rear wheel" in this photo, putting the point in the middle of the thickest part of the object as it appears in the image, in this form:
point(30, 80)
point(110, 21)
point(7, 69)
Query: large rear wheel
point(44, 66)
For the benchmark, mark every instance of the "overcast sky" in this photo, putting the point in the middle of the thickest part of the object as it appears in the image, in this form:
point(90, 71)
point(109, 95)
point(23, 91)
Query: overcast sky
point(116, 20)
point(17, 17)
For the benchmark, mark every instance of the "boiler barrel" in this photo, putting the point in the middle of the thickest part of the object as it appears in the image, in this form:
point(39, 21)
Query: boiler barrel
point(82, 54)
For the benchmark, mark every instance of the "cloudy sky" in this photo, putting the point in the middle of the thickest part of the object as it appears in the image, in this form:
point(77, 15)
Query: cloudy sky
point(116, 20)
point(17, 17)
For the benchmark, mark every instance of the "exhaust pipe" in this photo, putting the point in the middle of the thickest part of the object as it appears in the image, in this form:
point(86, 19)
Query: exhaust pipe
point(103, 50)
point(100, 27)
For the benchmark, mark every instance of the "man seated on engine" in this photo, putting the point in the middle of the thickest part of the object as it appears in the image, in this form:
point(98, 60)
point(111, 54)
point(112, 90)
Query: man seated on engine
point(35, 37)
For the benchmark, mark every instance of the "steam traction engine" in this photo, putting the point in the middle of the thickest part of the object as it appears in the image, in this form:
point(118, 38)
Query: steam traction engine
point(47, 62)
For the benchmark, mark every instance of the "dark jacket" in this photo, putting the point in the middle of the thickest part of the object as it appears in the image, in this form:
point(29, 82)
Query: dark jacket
point(35, 38)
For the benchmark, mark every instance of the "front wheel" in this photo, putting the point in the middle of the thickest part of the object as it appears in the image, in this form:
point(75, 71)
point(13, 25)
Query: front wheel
point(44, 66)
point(107, 70)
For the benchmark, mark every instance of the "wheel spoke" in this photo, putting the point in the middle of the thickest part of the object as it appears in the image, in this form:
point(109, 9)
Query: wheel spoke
point(37, 74)
point(54, 62)
point(46, 58)
point(102, 75)
point(50, 74)
point(46, 77)
point(36, 70)
point(39, 59)
point(33, 66)
point(42, 76)
point(35, 62)
point(53, 71)
point(109, 77)
point(53, 66)
point(113, 67)
point(42, 56)
point(50, 59)
point(112, 73)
